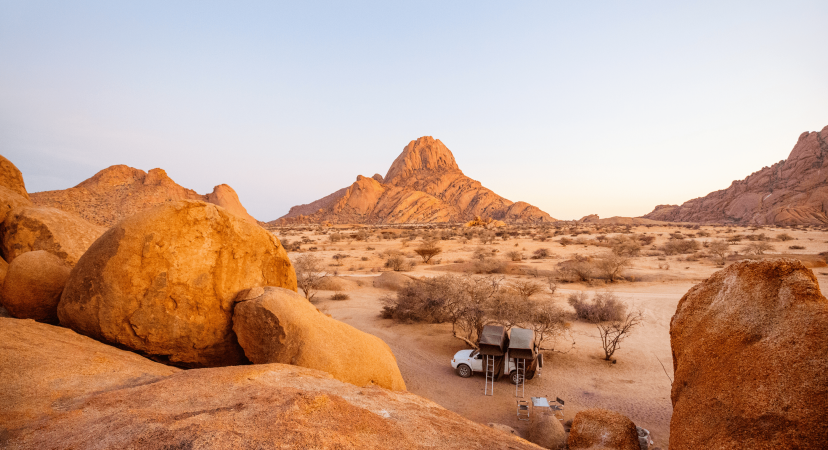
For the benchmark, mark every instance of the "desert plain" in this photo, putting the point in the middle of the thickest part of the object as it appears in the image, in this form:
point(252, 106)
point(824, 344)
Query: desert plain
point(637, 384)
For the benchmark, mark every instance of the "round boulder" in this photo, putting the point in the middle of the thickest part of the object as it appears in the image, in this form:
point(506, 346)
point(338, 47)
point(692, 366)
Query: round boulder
point(600, 428)
point(547, 431)
point(163, 282)
point(276, 325)
point(33, 284)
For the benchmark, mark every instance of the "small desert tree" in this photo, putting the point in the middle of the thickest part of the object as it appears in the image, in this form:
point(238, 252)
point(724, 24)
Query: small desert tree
point(719, 248)
point(526, 288)
point(514, 255)
point(613, 264)
point(338, 258)
point(758, 247)
point(309, 274)
point(612, 333)
point(428, 250)
point(397, 263)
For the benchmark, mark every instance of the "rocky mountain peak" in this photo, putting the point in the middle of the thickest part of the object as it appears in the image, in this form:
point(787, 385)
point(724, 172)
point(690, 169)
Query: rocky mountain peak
point(424, 154)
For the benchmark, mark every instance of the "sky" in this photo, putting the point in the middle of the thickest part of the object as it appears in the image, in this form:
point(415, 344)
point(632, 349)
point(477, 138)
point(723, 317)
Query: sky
point(599, 107)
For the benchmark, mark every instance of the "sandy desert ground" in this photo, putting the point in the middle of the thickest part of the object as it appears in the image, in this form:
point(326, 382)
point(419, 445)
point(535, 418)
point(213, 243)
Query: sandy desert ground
point(637, 385)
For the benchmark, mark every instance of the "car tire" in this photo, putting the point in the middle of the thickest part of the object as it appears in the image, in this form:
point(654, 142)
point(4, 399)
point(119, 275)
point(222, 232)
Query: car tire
point(513, 377)
point(464, 371)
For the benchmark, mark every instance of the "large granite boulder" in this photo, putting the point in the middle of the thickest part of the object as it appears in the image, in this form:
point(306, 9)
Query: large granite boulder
point(60, 233)
point(276, 325)
point(163, 282)
point(33, 284)
point(602, 429)
point(750, 352)
point(62, 390)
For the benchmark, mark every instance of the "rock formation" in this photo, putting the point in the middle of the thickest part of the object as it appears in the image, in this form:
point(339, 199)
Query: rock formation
point(602, 429)
point(790, 192)
point(118, 192)
point(162, 282)
point(33, 284)
point(62, 390)
point(275, 325)
point(11, 178)
point(749, 353)
point(60, 233)
point(424, 184)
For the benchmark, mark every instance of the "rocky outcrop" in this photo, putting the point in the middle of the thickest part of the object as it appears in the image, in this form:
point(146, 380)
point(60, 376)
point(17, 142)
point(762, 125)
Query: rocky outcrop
point(11, 178)
point(275, 325)
point(33, 284)
point(60, 233)
point(602, 429)
point(424, 184)
point(118, 192)
point(791, 192)
point(618, 220)
point(163, 282)
point(749, 353)
point(62, 390)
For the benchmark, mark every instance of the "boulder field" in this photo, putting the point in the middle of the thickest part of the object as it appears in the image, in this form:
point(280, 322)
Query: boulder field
point(750, 353)
point(163, 282)
point(276, 325)
point(65, 390)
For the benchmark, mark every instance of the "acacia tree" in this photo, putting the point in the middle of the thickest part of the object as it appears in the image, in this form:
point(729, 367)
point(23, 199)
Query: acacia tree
point(612, 333)
point(720, 249)
point(428, 249)
point(526, 288)
point(758, 247)
point(309, 274)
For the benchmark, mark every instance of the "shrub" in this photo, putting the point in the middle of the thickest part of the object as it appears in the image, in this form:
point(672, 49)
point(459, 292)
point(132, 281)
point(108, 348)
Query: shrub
point(541, 253)
point(340, 296)
point(481, 253)
point(676, 246)
point(612, 265)
point(527, 288)
point(397, 263)
point(514, 255)
point(797, 247)
point(784, 237)
point(605, 306)
point(612, 334)
point(309, 274)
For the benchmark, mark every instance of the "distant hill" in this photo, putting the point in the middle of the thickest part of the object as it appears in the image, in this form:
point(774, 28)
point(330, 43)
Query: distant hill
point(120, 191)
point(793, 191)
point(424, 184)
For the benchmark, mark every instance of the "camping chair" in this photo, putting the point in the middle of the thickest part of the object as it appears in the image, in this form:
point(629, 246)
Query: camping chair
point(557, 408)
point(523, 409)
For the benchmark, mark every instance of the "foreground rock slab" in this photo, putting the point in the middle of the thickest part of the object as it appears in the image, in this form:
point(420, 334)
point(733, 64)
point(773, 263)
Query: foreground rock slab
point(602, 429)
point(72, 392)
point(47, 370)
point(275, 325)
point(32, 286)
point(163, 282)
point(11, 178)
point(750, 352)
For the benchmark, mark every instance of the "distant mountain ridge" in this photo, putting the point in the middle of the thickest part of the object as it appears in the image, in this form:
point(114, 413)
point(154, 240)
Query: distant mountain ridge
point(120, 191)
point(793, 191)
point(424, 184)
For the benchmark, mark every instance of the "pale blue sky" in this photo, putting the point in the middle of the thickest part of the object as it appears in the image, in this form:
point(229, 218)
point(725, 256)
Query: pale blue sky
point(576, 107)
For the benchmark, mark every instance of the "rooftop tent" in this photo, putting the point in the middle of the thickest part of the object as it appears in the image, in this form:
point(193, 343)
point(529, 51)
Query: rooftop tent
point(522, 344)
point(493, 340)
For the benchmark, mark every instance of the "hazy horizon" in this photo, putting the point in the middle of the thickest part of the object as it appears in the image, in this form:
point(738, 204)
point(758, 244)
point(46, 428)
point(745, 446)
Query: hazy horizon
point(607, 109)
